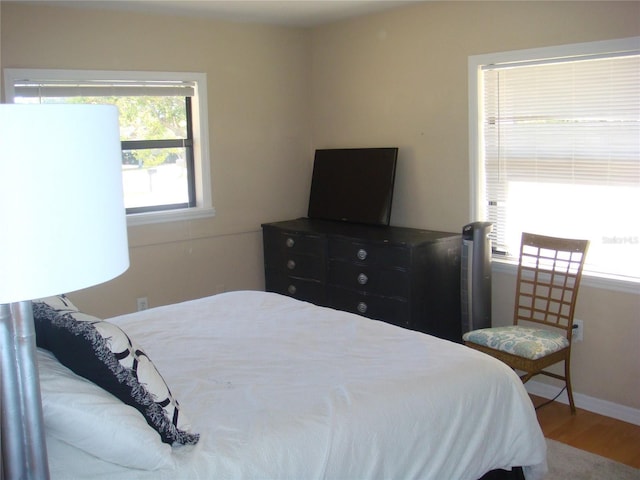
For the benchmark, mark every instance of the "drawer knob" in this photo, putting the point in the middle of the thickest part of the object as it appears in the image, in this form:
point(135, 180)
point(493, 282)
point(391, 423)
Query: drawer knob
point(363, 279)
point(291, 264)
point(362, 307)
point(292, 289)
point(290, 242)
point(362, 254)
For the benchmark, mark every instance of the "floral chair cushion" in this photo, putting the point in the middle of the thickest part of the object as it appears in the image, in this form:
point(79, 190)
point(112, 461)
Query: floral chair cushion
point(531, 343)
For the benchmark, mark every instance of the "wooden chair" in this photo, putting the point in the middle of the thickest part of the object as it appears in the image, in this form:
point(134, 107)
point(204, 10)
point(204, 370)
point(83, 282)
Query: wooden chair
point(549, 275)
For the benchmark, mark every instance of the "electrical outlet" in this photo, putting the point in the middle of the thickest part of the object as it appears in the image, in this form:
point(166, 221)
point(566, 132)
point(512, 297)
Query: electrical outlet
point(143, 303)
point(578, 330)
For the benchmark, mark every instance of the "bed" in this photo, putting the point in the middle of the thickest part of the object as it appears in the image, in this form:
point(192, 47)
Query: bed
point(274, 388)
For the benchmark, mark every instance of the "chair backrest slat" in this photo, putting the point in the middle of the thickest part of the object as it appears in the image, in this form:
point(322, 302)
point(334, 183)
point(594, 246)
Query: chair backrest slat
point(549, 275)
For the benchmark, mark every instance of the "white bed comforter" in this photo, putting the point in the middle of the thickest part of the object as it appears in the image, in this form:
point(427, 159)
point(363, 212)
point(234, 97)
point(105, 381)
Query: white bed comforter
point(281, 389)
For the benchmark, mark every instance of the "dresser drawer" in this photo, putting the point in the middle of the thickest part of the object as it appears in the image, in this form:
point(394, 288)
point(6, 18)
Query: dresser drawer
point(302, 266)
point(303, 289)
point(293, 243)
point(381, 281)
point(369, 254)
point(390, 310)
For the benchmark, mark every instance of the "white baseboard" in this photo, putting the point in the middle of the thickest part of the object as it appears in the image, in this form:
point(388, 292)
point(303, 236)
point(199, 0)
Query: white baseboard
point(595, 405)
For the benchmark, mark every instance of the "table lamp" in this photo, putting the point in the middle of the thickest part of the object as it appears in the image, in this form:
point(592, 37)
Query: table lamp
point(63, 229)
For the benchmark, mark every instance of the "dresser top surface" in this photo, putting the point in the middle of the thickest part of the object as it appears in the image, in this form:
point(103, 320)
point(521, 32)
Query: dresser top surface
point(373, 233)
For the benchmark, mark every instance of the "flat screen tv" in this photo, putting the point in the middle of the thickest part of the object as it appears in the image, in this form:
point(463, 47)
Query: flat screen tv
point(353, 185)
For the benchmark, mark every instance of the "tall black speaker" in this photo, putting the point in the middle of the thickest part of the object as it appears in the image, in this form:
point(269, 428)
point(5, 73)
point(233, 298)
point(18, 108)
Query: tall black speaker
point(475, 276)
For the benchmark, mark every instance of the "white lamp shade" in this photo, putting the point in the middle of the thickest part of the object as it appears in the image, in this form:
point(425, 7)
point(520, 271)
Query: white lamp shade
point(62, 216)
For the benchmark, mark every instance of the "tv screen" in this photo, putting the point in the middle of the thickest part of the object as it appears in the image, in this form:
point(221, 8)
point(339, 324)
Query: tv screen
point(353, 185)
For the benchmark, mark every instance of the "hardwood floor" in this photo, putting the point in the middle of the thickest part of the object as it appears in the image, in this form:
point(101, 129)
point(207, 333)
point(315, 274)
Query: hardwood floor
point(608, 437)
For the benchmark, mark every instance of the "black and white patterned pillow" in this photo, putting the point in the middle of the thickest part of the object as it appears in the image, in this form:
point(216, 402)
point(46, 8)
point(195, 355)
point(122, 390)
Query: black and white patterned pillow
point(103, 353)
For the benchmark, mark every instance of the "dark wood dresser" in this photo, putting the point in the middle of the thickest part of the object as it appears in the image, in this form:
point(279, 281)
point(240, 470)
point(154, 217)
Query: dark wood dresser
point(404, 276)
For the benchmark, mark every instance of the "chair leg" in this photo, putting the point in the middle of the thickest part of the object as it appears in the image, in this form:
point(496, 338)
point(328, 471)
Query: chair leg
point(567, 376)
point(526, 377)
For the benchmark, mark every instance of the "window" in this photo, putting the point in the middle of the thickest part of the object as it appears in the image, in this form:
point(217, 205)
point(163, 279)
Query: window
point(165, 165)
point(555, 149)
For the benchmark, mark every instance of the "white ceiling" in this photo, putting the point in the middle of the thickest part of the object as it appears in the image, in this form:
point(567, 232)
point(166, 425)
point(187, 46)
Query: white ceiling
point(295, 13)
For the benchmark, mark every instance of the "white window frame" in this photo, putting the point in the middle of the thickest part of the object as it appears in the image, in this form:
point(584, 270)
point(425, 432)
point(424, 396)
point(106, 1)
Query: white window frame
point(476, 147)
point(202, 164)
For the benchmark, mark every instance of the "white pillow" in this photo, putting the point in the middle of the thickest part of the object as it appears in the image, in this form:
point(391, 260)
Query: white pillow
point(82, 414)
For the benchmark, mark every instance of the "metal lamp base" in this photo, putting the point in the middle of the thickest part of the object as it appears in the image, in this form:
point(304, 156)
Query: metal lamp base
point(24, 450)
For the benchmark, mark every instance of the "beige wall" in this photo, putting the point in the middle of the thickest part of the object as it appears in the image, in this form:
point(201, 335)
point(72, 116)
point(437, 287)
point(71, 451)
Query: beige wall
point(258, 93)
point(275, 94)
point(400, 78)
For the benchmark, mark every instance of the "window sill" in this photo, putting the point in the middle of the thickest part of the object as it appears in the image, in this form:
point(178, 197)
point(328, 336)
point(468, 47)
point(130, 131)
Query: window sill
point(604, 282)
point(149, 218)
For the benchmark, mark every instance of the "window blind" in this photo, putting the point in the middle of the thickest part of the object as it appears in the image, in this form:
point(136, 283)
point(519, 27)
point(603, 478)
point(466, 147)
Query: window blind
point(562, 149)
point(54, 88)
